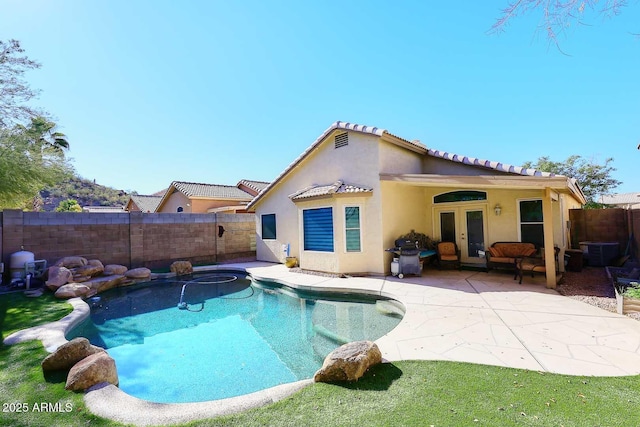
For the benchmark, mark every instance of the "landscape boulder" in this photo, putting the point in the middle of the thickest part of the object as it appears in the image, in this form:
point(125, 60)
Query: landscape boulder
point(58, 276)
point(89, 270)
point(92, 370)
point(69, 354)
point(138, 273)
point(110, 269)
point(72, 290)
point(349, 362)
point(71, 262)
point(104, 283)
point(181, 268)
point(96, 263)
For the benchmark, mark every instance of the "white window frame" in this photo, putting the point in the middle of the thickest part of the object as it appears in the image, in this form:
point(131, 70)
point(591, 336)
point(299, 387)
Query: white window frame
point(531, 199)
point(344, 228)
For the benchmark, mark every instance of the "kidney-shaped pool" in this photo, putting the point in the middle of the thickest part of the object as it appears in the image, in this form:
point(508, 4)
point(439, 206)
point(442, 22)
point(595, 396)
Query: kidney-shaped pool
point(215, 335)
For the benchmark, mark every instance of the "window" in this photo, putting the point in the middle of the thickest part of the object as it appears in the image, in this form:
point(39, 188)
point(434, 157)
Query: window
point(531, 228)
point(269, 226)
point(180, 209)
point(318, 229)
point(460, 196)
point(352, 228)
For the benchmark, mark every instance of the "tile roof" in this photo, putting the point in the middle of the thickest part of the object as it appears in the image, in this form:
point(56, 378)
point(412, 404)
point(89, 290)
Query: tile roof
point(337, 187)
point(146, 203)
point(103, 209)
point(372, 130)
point(254, 185)
point(418, 146)
point(212, 191)
point(620, 199)
point(502, 167)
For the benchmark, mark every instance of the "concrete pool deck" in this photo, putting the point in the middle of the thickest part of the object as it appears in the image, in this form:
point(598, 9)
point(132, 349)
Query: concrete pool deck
point(464, 316)
point(488, 318)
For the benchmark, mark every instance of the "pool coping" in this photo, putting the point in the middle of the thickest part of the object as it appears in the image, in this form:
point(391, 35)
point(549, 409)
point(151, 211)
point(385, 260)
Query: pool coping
point(108, 401)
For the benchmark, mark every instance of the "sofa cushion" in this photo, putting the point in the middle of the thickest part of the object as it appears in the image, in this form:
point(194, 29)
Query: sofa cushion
point(516, 249)
point(495, 252)
point(448, 257)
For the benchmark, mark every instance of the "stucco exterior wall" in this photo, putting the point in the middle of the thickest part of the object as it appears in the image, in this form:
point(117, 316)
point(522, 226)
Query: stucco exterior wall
point(175, 200)
point(503, 228)
point(353, 164)
point(325, 165)
point(202, 205)
point(404, 209)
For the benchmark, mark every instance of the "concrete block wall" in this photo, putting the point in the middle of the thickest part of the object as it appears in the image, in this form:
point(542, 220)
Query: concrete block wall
point(605, 225)
point(133, 239)
point(239, 237)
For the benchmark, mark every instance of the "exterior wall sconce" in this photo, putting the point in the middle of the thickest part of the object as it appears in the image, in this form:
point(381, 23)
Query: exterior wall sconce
point(221, 231)
point(497, 209)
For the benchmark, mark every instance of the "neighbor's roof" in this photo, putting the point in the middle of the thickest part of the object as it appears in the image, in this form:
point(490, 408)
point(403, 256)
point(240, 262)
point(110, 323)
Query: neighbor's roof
point(210, 191)
point(620, 199)
point(146, 203)
point(254, 185)
point(337, 187)
point(103, 209)
point(372, 130)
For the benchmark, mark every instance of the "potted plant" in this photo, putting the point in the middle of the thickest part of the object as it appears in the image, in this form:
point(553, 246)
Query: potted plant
point(291, 262)
point(628, 298)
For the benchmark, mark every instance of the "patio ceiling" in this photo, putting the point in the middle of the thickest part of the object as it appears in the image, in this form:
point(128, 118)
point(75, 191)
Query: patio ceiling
point(557, 183)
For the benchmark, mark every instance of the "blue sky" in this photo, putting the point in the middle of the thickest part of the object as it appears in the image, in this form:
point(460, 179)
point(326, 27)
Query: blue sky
point(151, 91)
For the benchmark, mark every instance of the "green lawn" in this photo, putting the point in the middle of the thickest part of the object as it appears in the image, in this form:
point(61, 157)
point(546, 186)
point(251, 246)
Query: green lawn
point(19, 312)
point(408, 393)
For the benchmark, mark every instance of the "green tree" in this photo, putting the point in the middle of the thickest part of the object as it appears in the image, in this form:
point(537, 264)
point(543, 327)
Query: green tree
point(28, 164)
point(69, 205)
point(15, 92)
point(32, 156)
point(594, 179)
point(42, 131)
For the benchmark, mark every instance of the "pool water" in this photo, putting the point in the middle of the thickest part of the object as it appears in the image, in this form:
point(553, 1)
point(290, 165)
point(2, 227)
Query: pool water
point(230, 336)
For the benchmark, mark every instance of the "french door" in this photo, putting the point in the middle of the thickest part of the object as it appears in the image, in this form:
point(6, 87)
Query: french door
point(464, 225)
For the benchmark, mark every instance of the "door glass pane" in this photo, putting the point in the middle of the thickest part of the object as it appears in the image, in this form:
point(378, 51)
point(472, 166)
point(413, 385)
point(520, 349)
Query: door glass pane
point(447, 226)
point(475, 233)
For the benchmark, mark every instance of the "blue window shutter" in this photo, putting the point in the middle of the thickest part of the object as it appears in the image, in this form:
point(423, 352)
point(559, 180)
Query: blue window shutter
point(318, 229)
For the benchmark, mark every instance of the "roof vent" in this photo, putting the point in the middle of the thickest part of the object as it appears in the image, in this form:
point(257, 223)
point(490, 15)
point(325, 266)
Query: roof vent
point(342, 140)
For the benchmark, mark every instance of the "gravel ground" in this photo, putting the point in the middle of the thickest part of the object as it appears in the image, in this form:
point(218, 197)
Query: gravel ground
point(592, 286)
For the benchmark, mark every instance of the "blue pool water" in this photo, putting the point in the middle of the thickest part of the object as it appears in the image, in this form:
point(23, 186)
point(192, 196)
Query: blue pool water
point(230, 336)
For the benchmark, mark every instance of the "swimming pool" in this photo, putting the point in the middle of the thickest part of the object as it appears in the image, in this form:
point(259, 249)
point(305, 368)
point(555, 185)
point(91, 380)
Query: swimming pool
point(216, 335)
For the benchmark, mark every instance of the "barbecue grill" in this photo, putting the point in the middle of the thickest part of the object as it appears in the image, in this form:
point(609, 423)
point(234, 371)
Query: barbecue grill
point(408, 257)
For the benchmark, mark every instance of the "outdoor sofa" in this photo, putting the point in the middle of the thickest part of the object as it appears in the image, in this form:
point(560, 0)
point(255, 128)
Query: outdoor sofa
point(505, 254)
